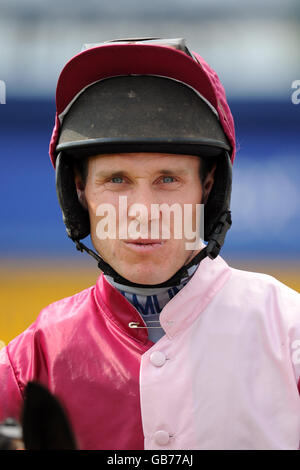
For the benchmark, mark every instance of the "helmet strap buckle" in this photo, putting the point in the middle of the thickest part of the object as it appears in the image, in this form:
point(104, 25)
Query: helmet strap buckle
point(216, 240)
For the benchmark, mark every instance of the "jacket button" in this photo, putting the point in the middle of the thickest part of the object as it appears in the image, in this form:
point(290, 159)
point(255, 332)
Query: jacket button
point(161, 438)
point(157, 358)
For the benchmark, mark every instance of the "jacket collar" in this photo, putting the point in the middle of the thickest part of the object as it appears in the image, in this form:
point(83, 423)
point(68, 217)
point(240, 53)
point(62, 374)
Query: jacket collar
point(119, 311)
point(186, 306)
point(178, 314)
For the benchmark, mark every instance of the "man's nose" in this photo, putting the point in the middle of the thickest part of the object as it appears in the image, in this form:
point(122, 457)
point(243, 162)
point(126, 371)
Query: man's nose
point(145, 201)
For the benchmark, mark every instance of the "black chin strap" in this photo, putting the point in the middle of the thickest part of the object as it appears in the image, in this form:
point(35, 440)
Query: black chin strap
point(108, 270)
point(212, 250)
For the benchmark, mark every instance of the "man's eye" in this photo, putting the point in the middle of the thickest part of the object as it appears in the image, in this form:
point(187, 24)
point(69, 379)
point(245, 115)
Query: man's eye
point(168, 179)
point(117, 179)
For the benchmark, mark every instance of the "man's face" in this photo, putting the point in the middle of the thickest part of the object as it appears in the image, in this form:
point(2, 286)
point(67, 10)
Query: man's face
point(148, 179)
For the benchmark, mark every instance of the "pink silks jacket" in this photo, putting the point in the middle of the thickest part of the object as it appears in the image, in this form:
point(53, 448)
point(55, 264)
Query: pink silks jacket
point(224, 376)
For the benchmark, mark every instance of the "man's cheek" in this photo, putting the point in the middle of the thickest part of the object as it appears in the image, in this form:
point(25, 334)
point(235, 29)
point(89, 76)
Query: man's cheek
point(106, 226)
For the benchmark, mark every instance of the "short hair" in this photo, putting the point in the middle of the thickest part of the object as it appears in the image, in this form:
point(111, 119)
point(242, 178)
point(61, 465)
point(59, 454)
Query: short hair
point(81, 166)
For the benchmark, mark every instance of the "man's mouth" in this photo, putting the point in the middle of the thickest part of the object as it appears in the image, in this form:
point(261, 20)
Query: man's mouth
point(144, 245)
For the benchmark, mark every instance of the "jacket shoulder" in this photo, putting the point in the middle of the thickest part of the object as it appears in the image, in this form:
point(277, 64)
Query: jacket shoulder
point(65, 308)
point(265, 290)
point(255, 279)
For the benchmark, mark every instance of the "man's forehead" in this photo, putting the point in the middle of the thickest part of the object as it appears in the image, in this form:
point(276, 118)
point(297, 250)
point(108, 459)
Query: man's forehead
point(141, 158)
point(143, 164)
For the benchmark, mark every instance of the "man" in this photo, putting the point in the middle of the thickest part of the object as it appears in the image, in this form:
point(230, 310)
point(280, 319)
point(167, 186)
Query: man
point(172, 348)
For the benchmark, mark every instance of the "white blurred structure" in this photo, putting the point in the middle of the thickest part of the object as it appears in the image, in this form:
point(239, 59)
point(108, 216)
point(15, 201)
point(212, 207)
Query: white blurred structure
point(254, 46)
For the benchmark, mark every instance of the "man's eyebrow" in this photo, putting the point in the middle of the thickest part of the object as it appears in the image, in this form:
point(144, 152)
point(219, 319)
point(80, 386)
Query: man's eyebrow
point(110, 173)
point(178, 171)
point(163, 171)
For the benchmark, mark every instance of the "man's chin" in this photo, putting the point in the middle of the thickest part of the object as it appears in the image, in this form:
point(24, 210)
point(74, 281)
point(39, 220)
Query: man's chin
point(141, 268)
point(146, 276)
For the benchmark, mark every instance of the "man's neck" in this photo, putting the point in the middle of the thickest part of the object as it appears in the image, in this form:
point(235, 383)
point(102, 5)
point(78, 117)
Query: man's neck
point(150, 302)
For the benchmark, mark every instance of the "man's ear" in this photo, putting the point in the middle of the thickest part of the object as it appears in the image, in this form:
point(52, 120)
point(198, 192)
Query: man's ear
point(80, 188)
point(208, 183)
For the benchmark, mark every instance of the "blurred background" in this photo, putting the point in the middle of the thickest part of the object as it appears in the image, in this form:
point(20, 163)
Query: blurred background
point(253, 46)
